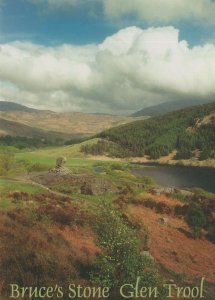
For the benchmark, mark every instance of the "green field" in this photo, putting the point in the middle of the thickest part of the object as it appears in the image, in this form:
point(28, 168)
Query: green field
point(76, 160)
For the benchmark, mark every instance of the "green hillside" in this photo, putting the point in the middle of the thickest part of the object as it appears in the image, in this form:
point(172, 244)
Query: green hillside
point(185, 130)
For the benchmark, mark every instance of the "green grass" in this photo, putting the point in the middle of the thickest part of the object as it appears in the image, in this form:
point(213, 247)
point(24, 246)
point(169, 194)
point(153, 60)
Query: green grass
point(75, 164)
point(179, 196)
point(7, 185)
point(34, 157)
point(200, 192)
point(6, 203)
point(70, 151)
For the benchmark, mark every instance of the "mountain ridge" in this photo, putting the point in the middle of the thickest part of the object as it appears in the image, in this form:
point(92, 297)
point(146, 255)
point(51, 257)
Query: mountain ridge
point(165, 107)
point(13, 106)
point(20, 120)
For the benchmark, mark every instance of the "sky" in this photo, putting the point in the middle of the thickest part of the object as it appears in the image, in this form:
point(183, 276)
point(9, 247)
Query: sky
point(107, 56)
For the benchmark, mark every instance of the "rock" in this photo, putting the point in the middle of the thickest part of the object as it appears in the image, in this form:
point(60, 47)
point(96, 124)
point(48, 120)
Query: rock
point(170, 281)
point(86, 189)
point(83, 183)
point(168, 240)
point(60, 161)
point(186, 193)
point(59, 168)
point(147, 254)
point(80, 183)
point(163, 221)
point(162, 190)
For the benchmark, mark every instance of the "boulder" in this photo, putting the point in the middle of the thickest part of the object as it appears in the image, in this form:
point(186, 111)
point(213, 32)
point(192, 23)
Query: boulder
point(60, 161)
point(163, 221)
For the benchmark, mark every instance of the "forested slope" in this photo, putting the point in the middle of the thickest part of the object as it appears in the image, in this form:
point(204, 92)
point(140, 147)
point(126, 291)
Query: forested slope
point(185, 130)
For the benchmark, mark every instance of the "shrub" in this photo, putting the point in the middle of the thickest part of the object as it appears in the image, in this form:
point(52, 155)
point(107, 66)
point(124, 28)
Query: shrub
point(7, 162)
point(117, 166)
point(178, 195)
point(62, 214)
point(211, 233)
point(121, 261)
point(196, 219)
point(10, 166)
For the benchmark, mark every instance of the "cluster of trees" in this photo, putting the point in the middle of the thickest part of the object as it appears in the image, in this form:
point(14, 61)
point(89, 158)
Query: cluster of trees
point(75, 140)
point(21, 142)
point(105, 147)
point(96, 149)
point(159, 136)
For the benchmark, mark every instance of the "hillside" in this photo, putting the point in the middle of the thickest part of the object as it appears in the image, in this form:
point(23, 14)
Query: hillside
point(12, 106)
point(93, 234)
point(166, 107)
point(13, 128)
point(189, 132)
point(19, 120)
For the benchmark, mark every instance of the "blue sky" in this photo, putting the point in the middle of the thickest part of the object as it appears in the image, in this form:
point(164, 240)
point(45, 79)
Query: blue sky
point(24, 20)
point(106, 55)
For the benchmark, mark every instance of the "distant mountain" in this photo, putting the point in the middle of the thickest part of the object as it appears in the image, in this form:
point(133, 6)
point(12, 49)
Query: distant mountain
point(19, 120)
point(12, 106)
point(166, 107)
point(19, 129)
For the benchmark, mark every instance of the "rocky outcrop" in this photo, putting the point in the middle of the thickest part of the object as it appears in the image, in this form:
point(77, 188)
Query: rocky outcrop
point(81, 183)
point(59, 168)
point(170, 190)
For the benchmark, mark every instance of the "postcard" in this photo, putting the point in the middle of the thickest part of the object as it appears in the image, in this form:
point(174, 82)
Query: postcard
point(107, 149)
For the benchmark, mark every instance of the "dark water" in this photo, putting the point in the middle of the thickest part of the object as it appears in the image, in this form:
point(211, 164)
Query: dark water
point(180, 176)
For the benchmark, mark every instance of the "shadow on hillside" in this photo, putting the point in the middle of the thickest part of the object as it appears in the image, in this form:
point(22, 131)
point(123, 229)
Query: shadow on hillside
point(185, 232)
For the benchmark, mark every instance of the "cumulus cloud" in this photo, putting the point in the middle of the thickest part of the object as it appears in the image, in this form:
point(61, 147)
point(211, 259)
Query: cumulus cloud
point(148, 10)
point(162, 10)
point(129, 70)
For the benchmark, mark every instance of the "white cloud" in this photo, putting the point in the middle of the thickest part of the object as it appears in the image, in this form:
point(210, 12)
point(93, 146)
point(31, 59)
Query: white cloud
point(63, 3)
point(148, 10)
point(127, 71)
point(162, 10)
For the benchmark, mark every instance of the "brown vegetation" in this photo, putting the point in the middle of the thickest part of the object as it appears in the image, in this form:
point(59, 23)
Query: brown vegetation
point(172, 244)
point(73, 123)
point(46, 243)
